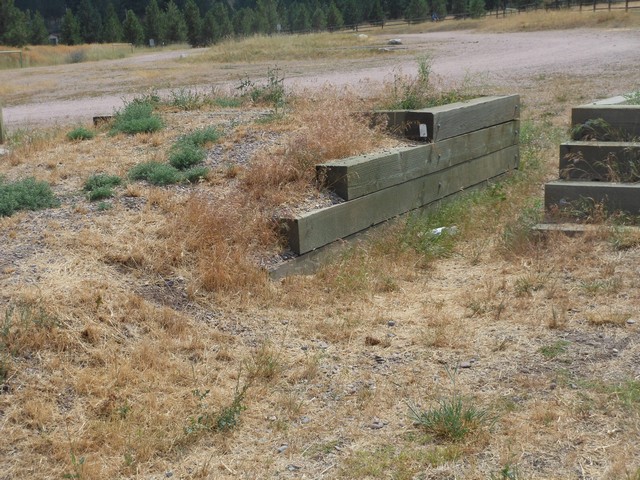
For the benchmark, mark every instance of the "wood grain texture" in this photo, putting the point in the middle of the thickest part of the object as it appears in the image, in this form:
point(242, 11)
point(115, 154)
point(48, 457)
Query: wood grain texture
point(320, 227)
point(614, 196)
point(623, 117)
point(454, 119)
point(362, 175)
point(598, 160)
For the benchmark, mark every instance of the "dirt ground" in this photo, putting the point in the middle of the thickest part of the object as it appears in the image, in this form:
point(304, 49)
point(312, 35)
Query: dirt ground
point(75, 93)
point(546, 339)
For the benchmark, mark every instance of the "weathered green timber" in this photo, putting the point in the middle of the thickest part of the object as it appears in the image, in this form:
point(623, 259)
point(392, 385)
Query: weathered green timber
point(320, 227)
point(622, 117)
point(624, 197)
point(358, 176)
point(453, 119)
point(601, 161)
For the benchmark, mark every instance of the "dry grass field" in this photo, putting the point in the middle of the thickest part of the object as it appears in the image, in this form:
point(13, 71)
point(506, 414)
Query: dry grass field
point(140, 337)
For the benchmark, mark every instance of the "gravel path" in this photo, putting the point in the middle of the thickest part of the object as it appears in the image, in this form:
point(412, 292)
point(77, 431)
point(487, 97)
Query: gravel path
point(69, 94)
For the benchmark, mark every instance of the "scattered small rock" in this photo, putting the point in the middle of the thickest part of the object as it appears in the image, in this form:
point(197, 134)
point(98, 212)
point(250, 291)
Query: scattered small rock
point(615, 351)
point(272, 418)
point(465, 365)
point(304, 348)
point(293, 468)
point(3, 151)
point(631, 321)
point(282, 448)
point(377, 424)
point(394, 41)
point(391, 323)
point(168, 474)
point(322, 346)
point(378, 359)
point(304, 420)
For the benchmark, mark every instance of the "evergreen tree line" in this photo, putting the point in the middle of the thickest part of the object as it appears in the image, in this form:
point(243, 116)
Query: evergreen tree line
point(204, 22)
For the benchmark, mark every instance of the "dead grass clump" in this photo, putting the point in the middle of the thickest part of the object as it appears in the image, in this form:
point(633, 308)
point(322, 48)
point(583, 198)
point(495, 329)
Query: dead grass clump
point(220, 239)
point(325, 126)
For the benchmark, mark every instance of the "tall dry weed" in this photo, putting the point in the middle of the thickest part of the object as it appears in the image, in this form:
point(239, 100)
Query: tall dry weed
point(326, 124)
point(220, 238)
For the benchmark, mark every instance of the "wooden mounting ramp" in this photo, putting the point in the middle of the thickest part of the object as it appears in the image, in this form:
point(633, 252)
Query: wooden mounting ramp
point(320, 227)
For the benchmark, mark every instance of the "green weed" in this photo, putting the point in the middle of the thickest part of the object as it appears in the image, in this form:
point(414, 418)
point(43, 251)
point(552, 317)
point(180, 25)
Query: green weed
point(195, 174)
point(186, 99)
point(555, 349)
point(271, 92)
point(200, 137)
point(633, 98)
point(81, 133)
point(156, 173)
point(453, 419)
point(186, 156)
point(100, 193)
point(224, 419)
point(26, 194)
point(136, 117)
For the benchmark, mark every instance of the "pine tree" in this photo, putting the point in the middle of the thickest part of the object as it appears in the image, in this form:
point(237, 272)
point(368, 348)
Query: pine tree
point(351, 12)
point(416, 10)
point(112, 30)
point(38, 33)
point(458, 6)
point(14, 25)
point(439, 7)
point(176, 28)
point(244, 22)
point(318, 19)
point(221, 16)
point(476, 8)
point(132, 29)
point(267, 16)
point(154, 24)
point(376, 16)
point(193, 21)
point(300, 18)
point(90, 22)
point(334, 18)
point(69, 29)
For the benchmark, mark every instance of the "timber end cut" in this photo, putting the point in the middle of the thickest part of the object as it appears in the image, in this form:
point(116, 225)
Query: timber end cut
point(446, 121)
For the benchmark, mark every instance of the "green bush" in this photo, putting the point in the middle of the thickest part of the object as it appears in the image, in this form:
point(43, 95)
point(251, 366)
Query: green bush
point(200, 137)
point(26, 194)
point(80, 133)
point(186, 99)
point(156, 173)
point(100, 193)
point(101, 180)
point(186, 156)
point(136, 117)
point(195, 174)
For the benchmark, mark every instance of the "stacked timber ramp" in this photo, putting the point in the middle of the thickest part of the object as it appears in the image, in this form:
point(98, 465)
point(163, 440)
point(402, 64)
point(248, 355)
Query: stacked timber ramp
point(464, 146)
point(603, 172)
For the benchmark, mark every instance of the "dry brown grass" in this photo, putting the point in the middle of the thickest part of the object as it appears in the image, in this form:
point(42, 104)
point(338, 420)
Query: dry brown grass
point(140, 319)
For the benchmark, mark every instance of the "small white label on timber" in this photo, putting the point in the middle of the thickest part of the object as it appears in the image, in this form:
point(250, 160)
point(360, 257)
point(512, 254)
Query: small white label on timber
point(423, 130)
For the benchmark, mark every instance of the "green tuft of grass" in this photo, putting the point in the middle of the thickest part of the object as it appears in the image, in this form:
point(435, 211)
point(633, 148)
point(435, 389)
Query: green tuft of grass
point(101, 180)
point(100, 193)
point(27, 194)
point(156, 173)
point(554, 350)
point(199, 137)
point(228, 102)
point(186, 155)
point(195, 174)
point(80, 133)
point(136, 117)
point(186, 99)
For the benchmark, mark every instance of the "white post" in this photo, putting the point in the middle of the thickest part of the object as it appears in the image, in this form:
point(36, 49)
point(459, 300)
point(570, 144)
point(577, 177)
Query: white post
point(1, 126)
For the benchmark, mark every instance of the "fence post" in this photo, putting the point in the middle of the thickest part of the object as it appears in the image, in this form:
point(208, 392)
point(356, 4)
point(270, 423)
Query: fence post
point(609, 5)
point(594, 5)
point(626, 6)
